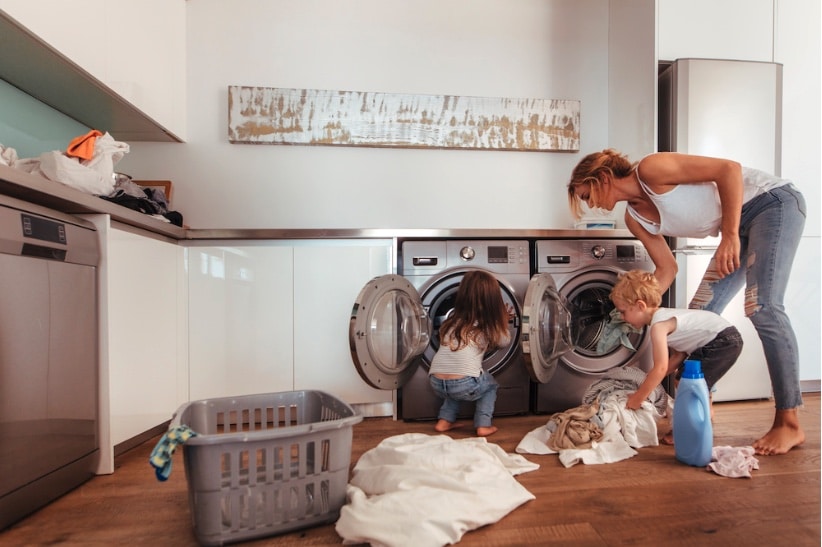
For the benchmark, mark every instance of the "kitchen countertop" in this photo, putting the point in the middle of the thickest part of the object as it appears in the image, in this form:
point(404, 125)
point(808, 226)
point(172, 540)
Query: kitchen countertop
point(38, 190)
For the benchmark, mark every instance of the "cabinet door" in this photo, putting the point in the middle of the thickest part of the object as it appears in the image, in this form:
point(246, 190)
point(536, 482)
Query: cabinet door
point(117, 43)
point(143, 326)
point(328, 276)
point(700, 29)
point(240, 319)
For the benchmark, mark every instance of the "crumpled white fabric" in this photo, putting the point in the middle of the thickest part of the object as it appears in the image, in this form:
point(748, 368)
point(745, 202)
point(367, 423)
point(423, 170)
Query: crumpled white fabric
point(623, 430)
point(94, 176)
point(422, 490)
point(733, 461)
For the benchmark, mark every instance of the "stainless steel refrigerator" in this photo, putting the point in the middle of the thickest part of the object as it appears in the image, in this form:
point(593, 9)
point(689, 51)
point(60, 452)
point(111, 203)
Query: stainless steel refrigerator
point(730, 109)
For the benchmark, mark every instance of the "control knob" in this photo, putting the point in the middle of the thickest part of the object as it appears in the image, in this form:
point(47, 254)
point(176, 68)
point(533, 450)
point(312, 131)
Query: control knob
point(598, 252)
point(467, 253)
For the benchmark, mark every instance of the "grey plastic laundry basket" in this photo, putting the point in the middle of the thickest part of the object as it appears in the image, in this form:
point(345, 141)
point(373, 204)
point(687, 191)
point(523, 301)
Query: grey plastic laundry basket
point(265, 464)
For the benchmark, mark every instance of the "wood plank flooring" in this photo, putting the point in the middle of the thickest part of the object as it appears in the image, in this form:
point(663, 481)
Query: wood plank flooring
point(649, 499)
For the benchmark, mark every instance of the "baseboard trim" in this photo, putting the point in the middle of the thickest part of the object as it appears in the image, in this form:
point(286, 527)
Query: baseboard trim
point(810, 386)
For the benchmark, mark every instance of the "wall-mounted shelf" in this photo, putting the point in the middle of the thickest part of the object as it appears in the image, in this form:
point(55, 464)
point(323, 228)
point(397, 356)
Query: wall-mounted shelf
point(36, 68)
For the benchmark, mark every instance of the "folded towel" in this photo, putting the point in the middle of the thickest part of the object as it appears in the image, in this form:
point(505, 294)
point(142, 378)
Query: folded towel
point(83, 146)
point(160, 457)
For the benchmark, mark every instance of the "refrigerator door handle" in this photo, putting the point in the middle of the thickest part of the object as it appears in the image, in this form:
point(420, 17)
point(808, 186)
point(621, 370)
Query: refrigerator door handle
point(695, 250)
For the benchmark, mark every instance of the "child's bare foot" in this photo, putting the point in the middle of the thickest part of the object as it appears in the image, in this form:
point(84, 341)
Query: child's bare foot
point(485, 431)
point(444, 425)
point(667, 438)
point(784, 434)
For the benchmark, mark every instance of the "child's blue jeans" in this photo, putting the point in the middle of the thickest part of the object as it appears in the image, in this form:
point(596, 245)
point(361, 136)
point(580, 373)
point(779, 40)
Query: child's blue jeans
point(482, 389)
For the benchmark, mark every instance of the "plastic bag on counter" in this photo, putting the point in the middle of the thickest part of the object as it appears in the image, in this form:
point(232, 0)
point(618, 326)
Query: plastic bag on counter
point(94, 175)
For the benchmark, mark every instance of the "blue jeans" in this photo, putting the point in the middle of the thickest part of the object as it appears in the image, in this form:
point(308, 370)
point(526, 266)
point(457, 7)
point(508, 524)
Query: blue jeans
point(769, 233)
point(482, 389)
point(719, 355)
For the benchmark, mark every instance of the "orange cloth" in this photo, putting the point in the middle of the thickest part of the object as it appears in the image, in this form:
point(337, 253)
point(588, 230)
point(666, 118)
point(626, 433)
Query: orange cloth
point(83, 146)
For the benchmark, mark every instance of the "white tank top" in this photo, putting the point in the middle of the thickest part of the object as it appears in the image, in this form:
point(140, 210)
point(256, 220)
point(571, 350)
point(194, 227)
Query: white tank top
point(694, 210)
point(694, 328)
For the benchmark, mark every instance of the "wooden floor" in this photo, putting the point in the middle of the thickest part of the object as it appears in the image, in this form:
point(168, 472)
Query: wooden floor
point(649, 499)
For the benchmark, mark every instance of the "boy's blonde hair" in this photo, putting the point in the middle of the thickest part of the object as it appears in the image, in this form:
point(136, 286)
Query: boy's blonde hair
point(637, 285)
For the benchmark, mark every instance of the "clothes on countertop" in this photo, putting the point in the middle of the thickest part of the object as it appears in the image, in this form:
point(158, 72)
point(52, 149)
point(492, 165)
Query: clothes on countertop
point(151, 201)
point(83, 146)
point(160, 458)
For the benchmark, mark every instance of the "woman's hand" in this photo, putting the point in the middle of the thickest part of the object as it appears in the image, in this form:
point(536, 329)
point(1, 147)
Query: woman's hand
point(726, 258)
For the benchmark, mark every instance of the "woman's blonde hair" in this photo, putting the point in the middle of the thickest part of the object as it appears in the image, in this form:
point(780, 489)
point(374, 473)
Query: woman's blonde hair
point(479, 314)
point(637, 285)
point(590, 170)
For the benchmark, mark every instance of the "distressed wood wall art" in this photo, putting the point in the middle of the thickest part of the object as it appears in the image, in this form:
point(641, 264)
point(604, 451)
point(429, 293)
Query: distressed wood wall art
point(270, 115)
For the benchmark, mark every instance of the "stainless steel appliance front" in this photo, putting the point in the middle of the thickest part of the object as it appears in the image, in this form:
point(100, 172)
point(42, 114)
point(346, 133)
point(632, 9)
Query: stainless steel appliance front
point(48, 356)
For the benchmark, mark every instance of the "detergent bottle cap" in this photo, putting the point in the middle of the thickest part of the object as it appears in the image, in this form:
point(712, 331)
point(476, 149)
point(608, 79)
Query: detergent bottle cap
point(693, 369)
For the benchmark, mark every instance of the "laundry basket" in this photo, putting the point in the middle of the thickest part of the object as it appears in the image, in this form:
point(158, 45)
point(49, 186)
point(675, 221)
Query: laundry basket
point(265, 464)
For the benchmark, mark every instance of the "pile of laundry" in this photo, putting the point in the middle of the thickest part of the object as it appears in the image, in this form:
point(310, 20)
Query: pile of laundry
point(602, 429)
point(87, 165)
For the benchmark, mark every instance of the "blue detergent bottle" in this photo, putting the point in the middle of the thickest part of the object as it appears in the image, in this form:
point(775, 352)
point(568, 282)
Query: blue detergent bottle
point(693, 432)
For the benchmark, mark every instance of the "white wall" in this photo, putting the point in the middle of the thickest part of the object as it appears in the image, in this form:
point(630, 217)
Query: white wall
point(530, 48)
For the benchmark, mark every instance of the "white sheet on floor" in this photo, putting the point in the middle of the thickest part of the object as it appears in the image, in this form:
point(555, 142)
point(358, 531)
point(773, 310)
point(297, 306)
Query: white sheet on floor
point(428, 490)
point(623, 430)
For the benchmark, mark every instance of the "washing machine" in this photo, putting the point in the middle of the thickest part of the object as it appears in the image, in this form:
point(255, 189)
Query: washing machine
point(394, 329)
point(584, 271)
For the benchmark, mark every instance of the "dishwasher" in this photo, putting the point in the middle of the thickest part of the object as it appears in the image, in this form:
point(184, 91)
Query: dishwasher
point(49, 413)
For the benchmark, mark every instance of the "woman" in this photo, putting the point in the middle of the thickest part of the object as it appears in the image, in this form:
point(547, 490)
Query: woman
point(760, 218)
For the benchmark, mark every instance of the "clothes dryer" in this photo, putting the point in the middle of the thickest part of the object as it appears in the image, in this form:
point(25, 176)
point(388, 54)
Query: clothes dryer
point(584, 272)
point(394, 330)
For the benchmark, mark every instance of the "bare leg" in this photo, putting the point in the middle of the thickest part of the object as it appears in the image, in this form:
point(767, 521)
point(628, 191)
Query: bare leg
point(444, 425)
point(785, 434)
point(485, 431)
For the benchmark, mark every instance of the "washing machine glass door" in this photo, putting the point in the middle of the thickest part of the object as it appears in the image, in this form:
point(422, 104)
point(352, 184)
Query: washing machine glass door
point(387, 331)
point(546, 327)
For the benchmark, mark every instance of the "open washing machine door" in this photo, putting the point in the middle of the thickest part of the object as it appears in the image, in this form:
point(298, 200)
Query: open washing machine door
point(388, 329)
point(546, 327)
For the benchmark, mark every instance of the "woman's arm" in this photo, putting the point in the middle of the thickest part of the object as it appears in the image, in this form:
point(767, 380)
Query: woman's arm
point(663, 170)
point(658, 250)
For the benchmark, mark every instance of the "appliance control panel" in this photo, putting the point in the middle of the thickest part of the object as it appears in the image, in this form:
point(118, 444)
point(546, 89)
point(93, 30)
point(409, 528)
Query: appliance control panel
point(427, 257)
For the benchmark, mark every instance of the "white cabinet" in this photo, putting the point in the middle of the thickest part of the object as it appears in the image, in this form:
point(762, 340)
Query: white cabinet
point(270, 316)
point(143, 357)
point(136, 48)
point(328, 276)
point(241, 320)
point(731, 29)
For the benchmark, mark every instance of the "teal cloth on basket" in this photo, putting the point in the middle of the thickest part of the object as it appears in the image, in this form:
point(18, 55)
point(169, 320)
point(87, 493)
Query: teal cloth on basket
point(614, 333)
point(160, 457)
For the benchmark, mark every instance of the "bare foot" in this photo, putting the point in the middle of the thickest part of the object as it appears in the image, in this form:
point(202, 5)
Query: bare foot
point(784, 434)
point(444, 425)
point(485, 431)
point(667, 438)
